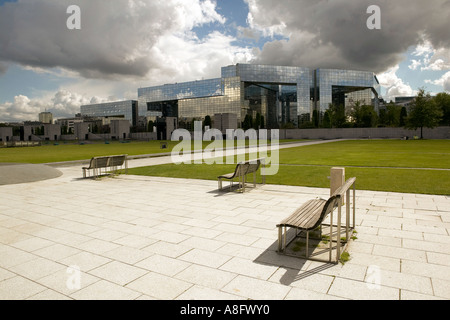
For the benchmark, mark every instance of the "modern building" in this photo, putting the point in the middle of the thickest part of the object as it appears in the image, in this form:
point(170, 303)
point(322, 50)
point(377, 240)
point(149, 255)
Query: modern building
point(280, 94)
point(404, 101)
point(69, 123)
point(121, 109)
point(47, 132)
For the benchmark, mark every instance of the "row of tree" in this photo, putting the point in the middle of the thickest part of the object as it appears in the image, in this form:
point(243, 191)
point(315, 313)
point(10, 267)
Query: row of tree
point(424, 112)
point(257, 123)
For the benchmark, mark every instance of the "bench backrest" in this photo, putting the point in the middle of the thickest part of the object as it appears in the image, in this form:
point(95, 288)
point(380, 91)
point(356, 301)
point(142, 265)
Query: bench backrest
point(92, 163)
point(329, 206)
point(241, 169)
point(333, 201)
point(117, 161)
point(253, 166)
point(344, 188)
point(101, 162)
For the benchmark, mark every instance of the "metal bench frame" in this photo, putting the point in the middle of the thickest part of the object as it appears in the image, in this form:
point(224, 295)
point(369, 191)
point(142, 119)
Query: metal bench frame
point(241, 172)
point(311, 215)
point(112, 162)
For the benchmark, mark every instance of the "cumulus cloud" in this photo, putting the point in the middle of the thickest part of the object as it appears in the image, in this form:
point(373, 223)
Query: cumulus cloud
point(444, 81)
point(395, 86)
point(439, 61)
point(335, 34)
point(21, 108)
point(61, 104)
point(120, 38)
point(429, 58)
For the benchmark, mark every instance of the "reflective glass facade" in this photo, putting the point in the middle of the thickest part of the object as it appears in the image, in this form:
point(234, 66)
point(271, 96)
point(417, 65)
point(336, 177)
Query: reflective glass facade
point(125, 109)
point(343, 87)
point(280, 94)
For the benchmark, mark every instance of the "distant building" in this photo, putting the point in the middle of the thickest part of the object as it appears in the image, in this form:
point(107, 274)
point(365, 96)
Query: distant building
point(69, 123)
point(118, 110)
point(120, 129)
point(46, 117)
point(404, 101)
point(6, 134)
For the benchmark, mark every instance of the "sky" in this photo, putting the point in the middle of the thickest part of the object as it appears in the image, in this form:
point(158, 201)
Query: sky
point(124, 45)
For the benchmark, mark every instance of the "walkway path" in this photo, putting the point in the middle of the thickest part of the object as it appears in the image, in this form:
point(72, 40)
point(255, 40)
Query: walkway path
point(132, 237)
point(12, 173)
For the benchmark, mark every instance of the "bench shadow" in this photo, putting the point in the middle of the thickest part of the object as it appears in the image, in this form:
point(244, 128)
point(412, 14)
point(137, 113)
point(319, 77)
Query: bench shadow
point(232, 189)
point(97, 178)
point(293, 266)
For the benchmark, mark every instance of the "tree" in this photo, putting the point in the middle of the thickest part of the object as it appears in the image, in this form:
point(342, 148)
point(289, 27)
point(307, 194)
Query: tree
point(382, 118)
point(150, 126)
point(424, 112)
point(257, 122)
point(403, 117)
point(248, 122)
point(326, 123)
point(364, 116)
point(207, 122)
point(315, 118)
point(338, 117)
point(393, 114)
point(442, 101)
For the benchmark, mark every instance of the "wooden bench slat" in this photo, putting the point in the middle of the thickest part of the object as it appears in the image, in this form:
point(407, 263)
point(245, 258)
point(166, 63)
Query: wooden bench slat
point(106, 162)
point(306, 215)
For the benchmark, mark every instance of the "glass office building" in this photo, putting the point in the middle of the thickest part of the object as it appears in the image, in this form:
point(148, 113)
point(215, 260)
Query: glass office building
point(120, 109)
point(280, 94)
point(345, 87)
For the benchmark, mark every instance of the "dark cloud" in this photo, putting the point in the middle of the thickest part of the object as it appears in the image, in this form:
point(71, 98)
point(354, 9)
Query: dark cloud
point(3, 68)
point(119, 37)
point(335, 34)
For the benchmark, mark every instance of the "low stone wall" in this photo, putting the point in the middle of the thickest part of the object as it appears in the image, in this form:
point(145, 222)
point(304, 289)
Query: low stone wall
point(144, 136)
point(364, 133)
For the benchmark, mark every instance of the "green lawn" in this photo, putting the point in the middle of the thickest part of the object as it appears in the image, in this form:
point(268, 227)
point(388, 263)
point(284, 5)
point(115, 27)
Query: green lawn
point(379, 165)
point(70, 151)
point(310, 166)
point(373, 153)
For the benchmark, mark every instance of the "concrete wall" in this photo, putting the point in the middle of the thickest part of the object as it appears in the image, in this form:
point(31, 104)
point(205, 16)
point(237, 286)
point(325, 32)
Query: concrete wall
point(68, 137)
point(81, 129)
point(52, 132)
point(6, 134)
point(172, 125)
point(364, 133)
point(120, 129)
point(225, 121)
point(144, 136)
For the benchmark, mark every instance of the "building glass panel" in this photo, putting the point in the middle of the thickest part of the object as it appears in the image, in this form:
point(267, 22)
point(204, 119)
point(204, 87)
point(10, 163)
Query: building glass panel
point(281, 94)
point(339, 87)
point(120, 109)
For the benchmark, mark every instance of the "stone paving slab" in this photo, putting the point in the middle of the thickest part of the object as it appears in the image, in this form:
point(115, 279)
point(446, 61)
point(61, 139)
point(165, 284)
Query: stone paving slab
point(163, 238)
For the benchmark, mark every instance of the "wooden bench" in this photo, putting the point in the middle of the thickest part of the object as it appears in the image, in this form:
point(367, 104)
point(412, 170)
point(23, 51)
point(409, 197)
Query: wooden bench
point(311, 215)
point(241, 171)
point(112, 162)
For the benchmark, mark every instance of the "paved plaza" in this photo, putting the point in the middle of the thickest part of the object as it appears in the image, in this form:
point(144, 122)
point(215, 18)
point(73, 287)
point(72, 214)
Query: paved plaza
point(133, 237)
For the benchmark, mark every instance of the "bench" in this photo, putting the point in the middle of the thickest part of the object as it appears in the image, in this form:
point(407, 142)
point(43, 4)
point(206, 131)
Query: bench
point(112, 162)
point(241, 171)
point(311, 215)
